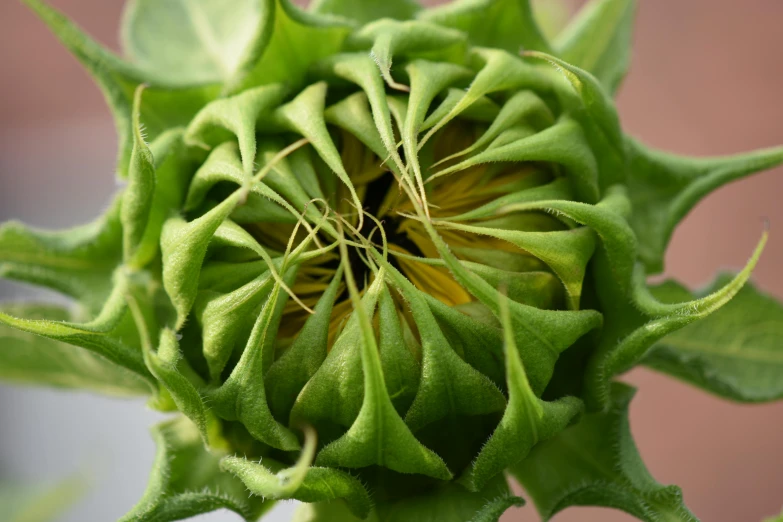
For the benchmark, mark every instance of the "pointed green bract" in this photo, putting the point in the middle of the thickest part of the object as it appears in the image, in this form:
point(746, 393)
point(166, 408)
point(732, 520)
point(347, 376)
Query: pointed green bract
point(733, 353)
point(526, 421)
point(664, 187)
point(663, 318)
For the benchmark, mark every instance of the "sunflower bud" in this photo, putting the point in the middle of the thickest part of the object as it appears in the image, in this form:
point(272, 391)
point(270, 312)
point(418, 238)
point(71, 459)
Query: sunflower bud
point(373, 255)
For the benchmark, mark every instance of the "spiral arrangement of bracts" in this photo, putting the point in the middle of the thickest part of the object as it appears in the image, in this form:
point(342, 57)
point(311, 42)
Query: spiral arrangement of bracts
point(396, 269)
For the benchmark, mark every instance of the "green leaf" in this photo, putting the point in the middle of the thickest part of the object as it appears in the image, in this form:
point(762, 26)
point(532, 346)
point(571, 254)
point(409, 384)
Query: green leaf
point(504, 24)
point(364, 11)
point(526, 421)
point(22, 503)
point(107, 335)
point(165, 106)
point(186, 480)
point(596, 463)
point(736, 352)
point(205, 42)
point(30, 359)
point(664, 187)
point(599, 40)
point(77, 262)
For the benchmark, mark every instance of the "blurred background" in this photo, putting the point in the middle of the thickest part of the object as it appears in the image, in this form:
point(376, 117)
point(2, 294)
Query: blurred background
point(706, 79)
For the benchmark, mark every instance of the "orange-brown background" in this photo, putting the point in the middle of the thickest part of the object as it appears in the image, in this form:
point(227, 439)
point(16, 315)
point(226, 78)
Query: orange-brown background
point(707, 77)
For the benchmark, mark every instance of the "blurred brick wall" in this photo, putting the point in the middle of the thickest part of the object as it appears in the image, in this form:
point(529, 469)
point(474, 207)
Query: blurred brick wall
point(706, 79)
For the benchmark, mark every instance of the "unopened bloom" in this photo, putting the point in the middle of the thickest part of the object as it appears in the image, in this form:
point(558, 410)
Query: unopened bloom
point(376, 257)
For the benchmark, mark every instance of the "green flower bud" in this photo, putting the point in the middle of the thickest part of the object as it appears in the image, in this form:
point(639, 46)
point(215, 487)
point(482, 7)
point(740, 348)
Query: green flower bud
point(377, 258)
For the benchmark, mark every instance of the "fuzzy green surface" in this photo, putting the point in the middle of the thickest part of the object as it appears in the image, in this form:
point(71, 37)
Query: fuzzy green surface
point(378, 257)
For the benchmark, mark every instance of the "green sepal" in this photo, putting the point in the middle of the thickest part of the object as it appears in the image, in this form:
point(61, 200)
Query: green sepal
point(262, 204)
point(183, 247)
point(186, 480)
point(599, 40)
point(596, 113)
point(238, 116)
point(504, 24)
point(608, 219)
point(499, 71)
point(30, 359)
point(566, 252)
point(543, 334)
point(242, 395)
point(378, 435)
point(364, 11)
point(596, 463)
point(526, 421)
point(734, 353)
point(389, 39)
point(522, 107)
point(297, 365)
point(449, 387)
point(359, 68)
point(334, 395)
point(166, 364)
point(173, 169)
point(401, 371)
point(564, 143)
point(305, 115)
point(138, 196)
point(664, 187)
point(619, 353)
point(226, 319)
point(317, 484)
